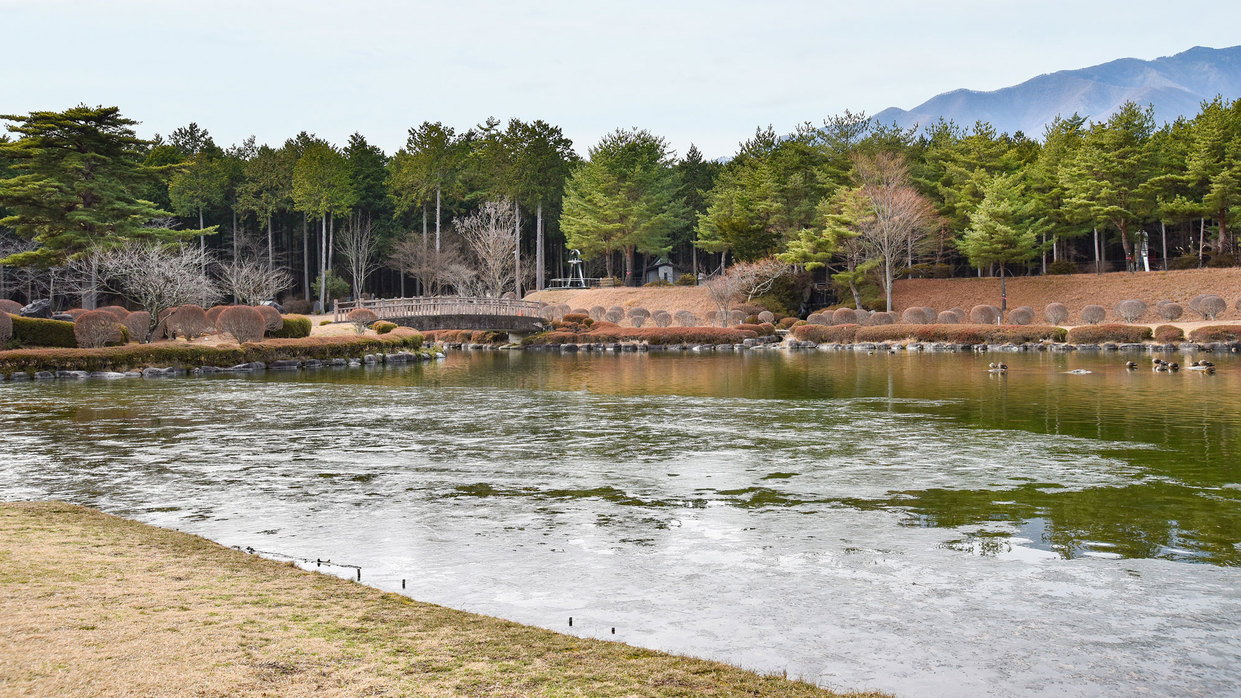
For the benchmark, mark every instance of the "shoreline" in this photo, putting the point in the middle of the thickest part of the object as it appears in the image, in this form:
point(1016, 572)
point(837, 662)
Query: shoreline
point(101, 605)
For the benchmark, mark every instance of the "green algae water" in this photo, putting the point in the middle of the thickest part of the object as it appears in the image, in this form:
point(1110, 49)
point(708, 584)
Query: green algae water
point(908, 522)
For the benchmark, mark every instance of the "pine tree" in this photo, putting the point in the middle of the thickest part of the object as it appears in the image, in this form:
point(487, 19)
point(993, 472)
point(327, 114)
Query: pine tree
point(1003, 229)
point(77, 176)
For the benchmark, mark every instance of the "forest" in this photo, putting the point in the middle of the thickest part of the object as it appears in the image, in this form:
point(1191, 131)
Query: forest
point(495, 208)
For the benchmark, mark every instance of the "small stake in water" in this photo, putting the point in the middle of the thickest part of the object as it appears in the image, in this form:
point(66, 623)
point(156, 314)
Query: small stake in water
point(613, 631)
point(318, 562)
point(359, 574)
point(570, 621)
point(402, 583)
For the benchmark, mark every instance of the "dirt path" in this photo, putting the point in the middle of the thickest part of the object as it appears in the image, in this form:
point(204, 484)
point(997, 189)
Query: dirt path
point(94, 605)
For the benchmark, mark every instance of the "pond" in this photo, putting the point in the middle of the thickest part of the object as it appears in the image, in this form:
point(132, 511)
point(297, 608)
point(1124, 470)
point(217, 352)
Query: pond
point(908, 522)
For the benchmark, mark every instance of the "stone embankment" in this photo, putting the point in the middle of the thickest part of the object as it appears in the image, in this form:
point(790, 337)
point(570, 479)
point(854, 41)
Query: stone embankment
point(398, 358)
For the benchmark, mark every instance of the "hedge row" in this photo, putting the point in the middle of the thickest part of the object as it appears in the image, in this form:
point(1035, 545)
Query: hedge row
point(36, 332)
point(650, 335)
point(466, 336)
point(1216, 333)
point(295, 327)
point(825, 334)
point(1094, 334)
point(162, 354)
point(961, 334)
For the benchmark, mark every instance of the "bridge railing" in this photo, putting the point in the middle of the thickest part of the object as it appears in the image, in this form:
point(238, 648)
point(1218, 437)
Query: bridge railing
point(388, 308)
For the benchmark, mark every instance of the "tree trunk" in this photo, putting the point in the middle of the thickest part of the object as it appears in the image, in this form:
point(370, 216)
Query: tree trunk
point(857, 295)
point(1098, 265)
point(271, 256)
point(538, 247)
point(306, 257)
point(202, 242)
point(1003, 297)
point(1044, 255)
point(629, 265)
point(607, 263)
point(516, 250)
point(1223, 230)
point(887, 281)
point(235, 235)
point(1202, 239)
point(331, 240)
point(422, 287)
point(437, 219)
point(322, 265)
point(1126, 246)
point(89, 300)
point(1163, 236)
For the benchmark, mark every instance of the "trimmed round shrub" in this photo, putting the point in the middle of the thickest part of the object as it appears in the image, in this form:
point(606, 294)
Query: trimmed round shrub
point(1195, 303)
point(189, 321)
point(686, 318)
point(816, 319)
point(844, 316)
point(11, 307)
point(575, 319)
point(138, 324)
point(273, 320)
point(735, 317)
point(614, 314)
point(766, 316)
point(213, 313)
point(1166, 334)
point(787, 322)
point(929, 313)
point(548, 312)
point(576, 311)
point(361, 318)
point(947, 318)
point(1131, 310)
point(244, 323)
point(1170, 311)
point(1093, 314)
point(295, 327)
point(117, 312)
point(661, 318)
point(97, 328)
point(76, 313)
point(1212, 306)
point(384, 327)
point(1023, 315)
point(962, 316)
point(884, 318)
point(984, 315)
point(638, 316)
point(1056, 313)
point(913, 316)
point(6, 326)
point(597, 312)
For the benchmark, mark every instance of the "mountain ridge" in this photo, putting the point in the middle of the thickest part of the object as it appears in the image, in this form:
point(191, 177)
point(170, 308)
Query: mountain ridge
point(1176, 85)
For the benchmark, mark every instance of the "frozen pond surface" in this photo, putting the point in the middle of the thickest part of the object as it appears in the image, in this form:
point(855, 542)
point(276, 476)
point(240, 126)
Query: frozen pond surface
point(906, 523)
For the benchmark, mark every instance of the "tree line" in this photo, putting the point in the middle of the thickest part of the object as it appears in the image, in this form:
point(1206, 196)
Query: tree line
point(496, 207)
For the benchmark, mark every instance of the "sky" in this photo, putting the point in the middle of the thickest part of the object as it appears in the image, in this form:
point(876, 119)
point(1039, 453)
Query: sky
point(705, 72)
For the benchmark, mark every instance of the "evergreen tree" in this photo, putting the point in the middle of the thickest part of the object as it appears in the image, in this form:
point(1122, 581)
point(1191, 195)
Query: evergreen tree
point(623, 199)
point(266, 188)
point(196, 184)
point(321, 188)
point(75, 185)
point(1003, 229)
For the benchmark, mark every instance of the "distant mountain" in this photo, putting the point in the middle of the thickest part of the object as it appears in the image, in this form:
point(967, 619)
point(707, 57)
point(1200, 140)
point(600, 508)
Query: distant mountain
point(1175, 85)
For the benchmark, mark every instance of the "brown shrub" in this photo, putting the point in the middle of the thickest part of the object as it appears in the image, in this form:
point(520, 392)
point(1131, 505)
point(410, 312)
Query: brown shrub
point(983, 315)
point(10, 307)
point(1056, 313)
point(661, 318)
point(614, 314)
point(597, 312)
point(138, 324)
point(97, 328)
point(1094, 334)
point(576, 311)
point(76, 313)
point(1210, 307)
point(817, 319)
point(1195, 301)
point(821, 334)
point(189, 321)
point(213, 313)
point(638, 316)
point(686, 318)
point(1093, 314)
point(1131, 310)
point(787, 322)
point(1216, 333)
point(576, 319)
point(272, 318)
point(6, 326)
point(948, 318)
point(1023, 315)
point(245, 324)
point(844, 316)
point(884, 318)
point(913, 316)
point(117, 312)
point(961, 334)
point(766, 316)
point(360, 318)
point(1170, 311)
point(1169, 333)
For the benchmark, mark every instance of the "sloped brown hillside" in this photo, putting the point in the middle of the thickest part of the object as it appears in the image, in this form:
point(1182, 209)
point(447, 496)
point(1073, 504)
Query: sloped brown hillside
point(1076, 290)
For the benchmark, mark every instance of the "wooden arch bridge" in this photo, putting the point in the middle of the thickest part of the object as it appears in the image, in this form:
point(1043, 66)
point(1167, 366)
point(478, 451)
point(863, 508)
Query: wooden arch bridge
point(451, 313)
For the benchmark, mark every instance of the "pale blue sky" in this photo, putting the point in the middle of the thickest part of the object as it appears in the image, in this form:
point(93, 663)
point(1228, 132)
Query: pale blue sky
point(706, 72)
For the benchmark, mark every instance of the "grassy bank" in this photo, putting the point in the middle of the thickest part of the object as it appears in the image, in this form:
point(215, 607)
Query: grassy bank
point(183, 355)
point(98, 605)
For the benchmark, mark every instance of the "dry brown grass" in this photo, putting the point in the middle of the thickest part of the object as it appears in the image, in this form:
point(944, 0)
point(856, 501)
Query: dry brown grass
point(671, 298)
point(1078, 290)
point(95, 605)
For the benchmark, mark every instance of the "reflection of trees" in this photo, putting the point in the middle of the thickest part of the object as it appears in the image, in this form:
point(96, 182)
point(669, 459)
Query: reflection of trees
point(1139, 520)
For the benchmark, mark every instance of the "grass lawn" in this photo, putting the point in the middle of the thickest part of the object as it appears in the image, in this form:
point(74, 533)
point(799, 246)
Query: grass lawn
point(98, 605)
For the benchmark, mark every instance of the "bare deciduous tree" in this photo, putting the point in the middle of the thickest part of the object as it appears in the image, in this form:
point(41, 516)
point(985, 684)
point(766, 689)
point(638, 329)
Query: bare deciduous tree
point(900, 216)
point(250, 281)
point(491, 236)
point(358, 246)
point(155, 277)
point(748, 279)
